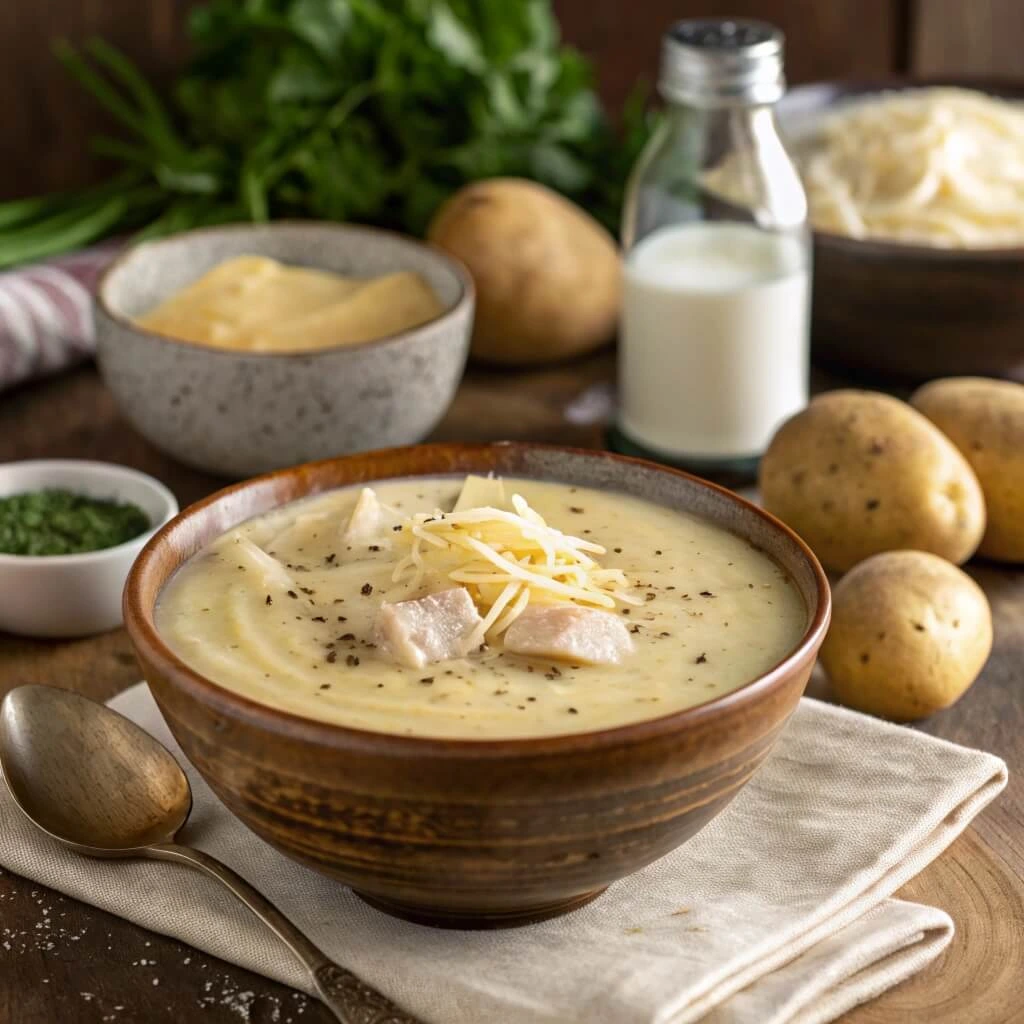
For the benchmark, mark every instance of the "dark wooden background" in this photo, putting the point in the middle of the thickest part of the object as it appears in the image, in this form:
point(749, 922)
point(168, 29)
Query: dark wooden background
point(45, 120)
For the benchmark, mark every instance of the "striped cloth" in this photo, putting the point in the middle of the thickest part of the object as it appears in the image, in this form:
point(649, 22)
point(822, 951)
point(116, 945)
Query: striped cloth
point(46, 314)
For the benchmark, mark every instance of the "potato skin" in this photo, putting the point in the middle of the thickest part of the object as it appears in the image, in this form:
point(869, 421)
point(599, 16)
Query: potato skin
point(985, 420)
point(857, 472)
point(909, 635)
point(547, 275)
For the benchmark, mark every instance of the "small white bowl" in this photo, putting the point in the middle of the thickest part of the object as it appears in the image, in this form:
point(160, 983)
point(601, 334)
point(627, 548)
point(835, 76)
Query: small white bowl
point(75, 595)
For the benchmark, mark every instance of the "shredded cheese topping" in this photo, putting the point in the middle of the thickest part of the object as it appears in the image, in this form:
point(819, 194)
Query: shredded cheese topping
point(506, 560)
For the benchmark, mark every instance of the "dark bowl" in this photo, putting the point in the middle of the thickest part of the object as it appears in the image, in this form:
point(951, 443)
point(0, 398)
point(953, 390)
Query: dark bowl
point(473, 833)
point(905, 311)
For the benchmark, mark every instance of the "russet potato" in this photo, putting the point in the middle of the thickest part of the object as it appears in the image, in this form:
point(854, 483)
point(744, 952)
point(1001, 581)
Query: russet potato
point(909, 635)
point(857, 473)
point(547, 274)
point(985, 420)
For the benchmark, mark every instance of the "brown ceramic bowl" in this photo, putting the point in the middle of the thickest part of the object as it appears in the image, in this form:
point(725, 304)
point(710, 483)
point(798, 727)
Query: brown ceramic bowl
point(471, 832)
point(906, 311)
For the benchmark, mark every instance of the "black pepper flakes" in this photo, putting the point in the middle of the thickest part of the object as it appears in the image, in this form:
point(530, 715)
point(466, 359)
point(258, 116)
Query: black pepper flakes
point(346, 637)
point(342, 618)
point(351, 660)
point(366, 589)
point(269, 600)
point(331, 557)
point(397, 529)
point(332, 657)
point(617, 551)
point(572, 711)
point(319, 618)
point(427, 680)
point(706, 593)
point(293, 595)
point(374, 547)
point(309, 591)
point(576, 510)
point(324, 686)
point(700, 659)
point(635, 628)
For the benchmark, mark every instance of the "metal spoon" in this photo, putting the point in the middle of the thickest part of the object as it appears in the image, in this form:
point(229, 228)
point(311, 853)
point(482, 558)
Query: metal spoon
point(98, 783)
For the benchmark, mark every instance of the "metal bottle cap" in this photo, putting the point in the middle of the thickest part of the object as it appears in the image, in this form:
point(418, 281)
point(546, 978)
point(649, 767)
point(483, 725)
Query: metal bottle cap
point(714, 62)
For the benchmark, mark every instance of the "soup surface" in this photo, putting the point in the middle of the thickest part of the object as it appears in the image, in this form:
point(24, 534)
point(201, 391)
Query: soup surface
point(285, 609)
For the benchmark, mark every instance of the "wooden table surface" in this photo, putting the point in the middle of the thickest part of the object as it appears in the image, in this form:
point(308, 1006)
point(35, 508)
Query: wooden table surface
point(62, 961)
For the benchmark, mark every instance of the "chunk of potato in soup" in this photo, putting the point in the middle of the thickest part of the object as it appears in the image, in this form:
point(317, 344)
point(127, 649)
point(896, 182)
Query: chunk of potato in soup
point(285, 608)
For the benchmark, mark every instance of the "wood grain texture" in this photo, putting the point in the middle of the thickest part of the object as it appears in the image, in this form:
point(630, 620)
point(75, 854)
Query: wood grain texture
point(48, 119)
point(625, 38)
point(966, 37)
point(979, 881)
point(978, 978)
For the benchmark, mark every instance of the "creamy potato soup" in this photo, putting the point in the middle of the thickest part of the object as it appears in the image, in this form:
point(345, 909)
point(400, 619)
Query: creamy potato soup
point(480, 608)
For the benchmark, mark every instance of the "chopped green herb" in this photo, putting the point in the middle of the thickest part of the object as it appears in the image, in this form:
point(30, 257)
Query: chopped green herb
point(57, 522)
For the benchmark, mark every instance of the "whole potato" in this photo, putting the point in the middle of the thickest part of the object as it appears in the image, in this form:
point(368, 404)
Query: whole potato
point(857, 472)
point(985, 420)
point(547, 274)
point(909, 635)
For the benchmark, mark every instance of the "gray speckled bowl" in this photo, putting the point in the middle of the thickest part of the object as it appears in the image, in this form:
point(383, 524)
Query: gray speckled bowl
point(238, 414)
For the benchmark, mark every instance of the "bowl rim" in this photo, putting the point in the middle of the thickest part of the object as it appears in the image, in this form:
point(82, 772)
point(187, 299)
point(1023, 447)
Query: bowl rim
point(142, 631)
point(458, 269)
point(99, 470)
point(999, 86)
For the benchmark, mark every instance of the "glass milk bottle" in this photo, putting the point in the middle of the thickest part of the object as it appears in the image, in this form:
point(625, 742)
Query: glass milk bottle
point(714, 339)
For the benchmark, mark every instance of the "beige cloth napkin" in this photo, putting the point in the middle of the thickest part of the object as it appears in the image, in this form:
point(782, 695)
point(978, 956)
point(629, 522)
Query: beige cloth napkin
point(777, 913)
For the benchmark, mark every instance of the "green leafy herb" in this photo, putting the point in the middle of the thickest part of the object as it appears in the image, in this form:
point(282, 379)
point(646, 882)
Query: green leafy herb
point(360, 110)
point(56, 522)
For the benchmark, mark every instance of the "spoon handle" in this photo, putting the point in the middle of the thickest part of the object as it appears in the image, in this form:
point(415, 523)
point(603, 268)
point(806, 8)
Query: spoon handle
point(350, 1000)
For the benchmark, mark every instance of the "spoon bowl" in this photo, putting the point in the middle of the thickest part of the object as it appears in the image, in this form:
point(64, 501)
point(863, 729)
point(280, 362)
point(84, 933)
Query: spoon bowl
point(95, 781)
point(87, 775)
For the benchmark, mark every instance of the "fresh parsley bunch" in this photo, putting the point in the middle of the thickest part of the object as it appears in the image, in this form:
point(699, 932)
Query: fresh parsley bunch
point(365, 110)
